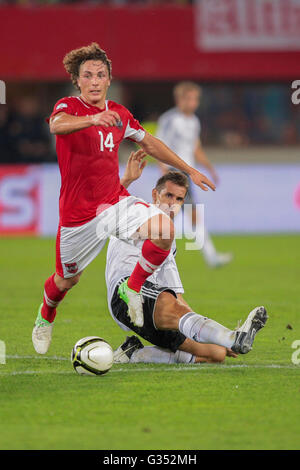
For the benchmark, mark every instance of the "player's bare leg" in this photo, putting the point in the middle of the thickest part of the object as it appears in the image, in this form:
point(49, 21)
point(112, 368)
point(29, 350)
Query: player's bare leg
point(158, 233)
point(211, 353)
point(56, 288)
point(172, 314)
point(66, 284)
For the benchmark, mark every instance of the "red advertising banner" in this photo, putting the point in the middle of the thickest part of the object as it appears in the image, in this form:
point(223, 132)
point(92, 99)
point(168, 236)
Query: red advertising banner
point(216, 40)
point(19, 199)
point(248, 25)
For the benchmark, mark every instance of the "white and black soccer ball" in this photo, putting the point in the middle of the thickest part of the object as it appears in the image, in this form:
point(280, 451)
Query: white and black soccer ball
point(92, 355)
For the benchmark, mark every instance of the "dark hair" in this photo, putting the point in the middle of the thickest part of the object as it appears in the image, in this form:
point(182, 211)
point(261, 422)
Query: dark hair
point(76, 57)
point(176, 177)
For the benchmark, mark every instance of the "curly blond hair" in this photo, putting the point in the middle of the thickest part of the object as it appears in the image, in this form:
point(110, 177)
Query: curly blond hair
point(76, 57)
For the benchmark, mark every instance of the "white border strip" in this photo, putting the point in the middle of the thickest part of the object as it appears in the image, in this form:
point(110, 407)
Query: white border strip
point(175, 368)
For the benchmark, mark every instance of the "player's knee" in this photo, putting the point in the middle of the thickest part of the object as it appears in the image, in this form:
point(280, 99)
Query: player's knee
point(165, 228)
point(174, 310)
point(168, 230)
point(66, 284)
point(74, 280)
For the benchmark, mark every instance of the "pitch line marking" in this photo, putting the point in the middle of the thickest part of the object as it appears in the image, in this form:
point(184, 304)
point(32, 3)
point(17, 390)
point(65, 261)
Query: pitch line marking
point(165, 369)
point(50, 358)
point(174, 367)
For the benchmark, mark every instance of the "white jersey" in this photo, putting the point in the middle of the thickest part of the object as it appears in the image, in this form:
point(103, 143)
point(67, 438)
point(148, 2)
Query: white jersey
point(180, 133)
point(121, 259)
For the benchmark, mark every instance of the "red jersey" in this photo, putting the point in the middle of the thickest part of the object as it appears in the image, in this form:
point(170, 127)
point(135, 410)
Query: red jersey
point(88, 161)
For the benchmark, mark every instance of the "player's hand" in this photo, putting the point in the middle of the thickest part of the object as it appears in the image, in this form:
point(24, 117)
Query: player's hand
point(230, 353)
point(201, 180)
point(106, 119)
point(135, 165)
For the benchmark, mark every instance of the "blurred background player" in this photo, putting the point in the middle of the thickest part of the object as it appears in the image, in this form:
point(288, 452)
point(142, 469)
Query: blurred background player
point(179, 128)
point(169, 322)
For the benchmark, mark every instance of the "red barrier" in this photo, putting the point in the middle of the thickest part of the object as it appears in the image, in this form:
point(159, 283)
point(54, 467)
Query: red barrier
point(143, 43)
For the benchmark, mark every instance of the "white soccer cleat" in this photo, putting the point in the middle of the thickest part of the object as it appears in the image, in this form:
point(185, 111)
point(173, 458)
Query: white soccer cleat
point(135, 308)
point(134, 301)
point(245, 334)
point(220, 259)
point(123, 354)
point(41, 334)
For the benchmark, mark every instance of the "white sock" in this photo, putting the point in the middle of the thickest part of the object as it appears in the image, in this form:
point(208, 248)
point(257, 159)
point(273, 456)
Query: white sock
point(151, 354)
point(183, 357)
point(154, 354)
point(205, 330)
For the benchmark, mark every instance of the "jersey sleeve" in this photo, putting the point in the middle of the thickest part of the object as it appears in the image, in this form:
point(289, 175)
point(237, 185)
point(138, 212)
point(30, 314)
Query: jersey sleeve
point(134, 131)
point(63, 105)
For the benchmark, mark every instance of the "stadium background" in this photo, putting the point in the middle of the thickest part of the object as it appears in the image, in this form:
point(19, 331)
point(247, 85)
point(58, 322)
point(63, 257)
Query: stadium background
point(245, 55)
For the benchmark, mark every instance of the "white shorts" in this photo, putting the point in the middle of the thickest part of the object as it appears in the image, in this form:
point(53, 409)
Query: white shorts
point(76, 247)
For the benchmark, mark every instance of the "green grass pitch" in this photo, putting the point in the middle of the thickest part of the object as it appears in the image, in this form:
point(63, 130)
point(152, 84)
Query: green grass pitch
point(248, 403)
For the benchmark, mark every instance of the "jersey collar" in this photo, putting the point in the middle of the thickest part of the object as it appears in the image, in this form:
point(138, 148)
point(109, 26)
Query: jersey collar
point(92, 106)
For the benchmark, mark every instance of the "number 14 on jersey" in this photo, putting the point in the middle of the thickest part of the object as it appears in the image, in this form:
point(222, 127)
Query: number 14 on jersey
point(107, 143)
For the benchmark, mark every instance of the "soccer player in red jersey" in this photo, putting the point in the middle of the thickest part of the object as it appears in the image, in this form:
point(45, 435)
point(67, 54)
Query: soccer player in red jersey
point(93, 203)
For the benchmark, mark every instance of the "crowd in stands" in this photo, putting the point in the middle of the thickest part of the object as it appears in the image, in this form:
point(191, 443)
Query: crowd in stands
point(24, 133)
point(234, 115)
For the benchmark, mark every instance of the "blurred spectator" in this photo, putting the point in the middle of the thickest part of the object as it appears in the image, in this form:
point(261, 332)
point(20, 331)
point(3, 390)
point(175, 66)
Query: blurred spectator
point(4, 139)
point(27, 138)
point(249, 114)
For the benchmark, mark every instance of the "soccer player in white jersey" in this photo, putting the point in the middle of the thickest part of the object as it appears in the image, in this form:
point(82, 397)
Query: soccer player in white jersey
point(179, 128)
point(170, 324)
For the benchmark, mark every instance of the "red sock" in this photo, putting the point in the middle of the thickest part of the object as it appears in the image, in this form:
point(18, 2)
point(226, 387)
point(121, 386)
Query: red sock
point(152, 257)
point(52, 297)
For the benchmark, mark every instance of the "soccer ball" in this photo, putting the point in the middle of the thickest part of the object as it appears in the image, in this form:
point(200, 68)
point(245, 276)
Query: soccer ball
point(92, 356)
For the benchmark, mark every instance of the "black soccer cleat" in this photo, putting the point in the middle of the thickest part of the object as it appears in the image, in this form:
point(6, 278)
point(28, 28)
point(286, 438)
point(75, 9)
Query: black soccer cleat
point(246, 333)
point(125, 351)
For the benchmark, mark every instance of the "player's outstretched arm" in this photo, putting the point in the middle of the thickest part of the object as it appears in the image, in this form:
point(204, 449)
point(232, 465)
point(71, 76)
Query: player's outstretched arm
point(63, 123)
point(134, 168)
point(157, 149)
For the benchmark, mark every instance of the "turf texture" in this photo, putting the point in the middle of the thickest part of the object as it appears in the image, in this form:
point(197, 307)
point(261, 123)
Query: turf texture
point(251, 402)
